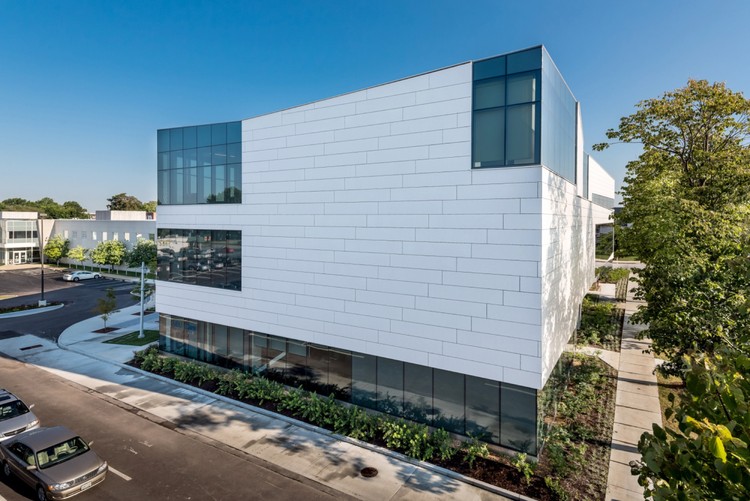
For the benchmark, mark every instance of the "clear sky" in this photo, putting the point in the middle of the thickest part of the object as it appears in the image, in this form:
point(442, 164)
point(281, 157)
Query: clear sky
point(84, 85)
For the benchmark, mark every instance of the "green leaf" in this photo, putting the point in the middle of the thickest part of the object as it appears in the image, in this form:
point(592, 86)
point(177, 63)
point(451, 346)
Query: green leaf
point(717, 449)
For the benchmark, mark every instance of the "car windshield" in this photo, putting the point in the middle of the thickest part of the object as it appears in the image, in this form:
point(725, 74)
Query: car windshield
point(12, 409)
point(61, 452)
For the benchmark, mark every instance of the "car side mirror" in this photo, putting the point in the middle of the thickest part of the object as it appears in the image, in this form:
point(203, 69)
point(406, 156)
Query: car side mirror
point(91, 443)
point(31, 467)
point(32, 406)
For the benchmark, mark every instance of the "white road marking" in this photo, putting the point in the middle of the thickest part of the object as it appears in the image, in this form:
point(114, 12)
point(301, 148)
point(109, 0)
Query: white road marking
point(120, 474)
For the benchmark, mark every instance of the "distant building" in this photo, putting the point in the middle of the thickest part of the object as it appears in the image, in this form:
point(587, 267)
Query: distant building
point(19, 232)
point(421, 247)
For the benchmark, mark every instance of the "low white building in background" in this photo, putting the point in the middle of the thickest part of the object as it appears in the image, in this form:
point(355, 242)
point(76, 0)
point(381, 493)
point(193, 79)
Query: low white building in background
point(421, 247)
point(19, 232)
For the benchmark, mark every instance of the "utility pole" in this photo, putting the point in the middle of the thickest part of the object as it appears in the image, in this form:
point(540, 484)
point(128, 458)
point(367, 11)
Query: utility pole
point(141, 334)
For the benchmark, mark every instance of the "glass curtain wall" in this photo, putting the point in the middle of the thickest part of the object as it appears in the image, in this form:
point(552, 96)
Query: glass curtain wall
point(200, 165)
point(210, 258)
point(498, 413)
point(523, 114)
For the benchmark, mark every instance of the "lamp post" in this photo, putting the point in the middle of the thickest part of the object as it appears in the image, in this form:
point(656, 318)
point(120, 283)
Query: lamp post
point(42, 302)
point(141, 334)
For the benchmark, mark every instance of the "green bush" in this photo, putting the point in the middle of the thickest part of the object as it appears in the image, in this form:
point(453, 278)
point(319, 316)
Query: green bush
point(474, 449)
point(610, 275)
point(523, 466)
point(443, 444)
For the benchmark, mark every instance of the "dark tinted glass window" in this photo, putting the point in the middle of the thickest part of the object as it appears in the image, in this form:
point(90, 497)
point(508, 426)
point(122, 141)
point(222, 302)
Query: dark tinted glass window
point(489, 68)
point(524, 61)
point(448, 400)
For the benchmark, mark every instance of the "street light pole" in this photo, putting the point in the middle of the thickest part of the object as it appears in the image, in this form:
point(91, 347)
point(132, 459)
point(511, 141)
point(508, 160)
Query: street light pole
point(141, 334)
point(42, 302)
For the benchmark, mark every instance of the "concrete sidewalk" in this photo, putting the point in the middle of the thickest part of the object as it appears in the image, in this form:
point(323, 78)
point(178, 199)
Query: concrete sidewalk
point(312, 452)
point(636, 407)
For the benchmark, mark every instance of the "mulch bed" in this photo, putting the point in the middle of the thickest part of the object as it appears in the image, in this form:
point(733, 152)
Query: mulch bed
point(105, 330)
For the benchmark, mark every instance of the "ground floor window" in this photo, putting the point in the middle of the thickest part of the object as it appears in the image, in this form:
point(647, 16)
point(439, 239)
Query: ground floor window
point(496, 412)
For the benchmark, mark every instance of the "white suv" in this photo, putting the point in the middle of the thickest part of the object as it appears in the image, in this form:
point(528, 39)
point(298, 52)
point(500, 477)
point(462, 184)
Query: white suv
point(15, 416)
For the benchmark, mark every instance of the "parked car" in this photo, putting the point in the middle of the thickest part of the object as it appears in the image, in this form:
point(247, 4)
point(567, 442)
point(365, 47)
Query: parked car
point(75, 276)
point(55, 462)
point(15, 416)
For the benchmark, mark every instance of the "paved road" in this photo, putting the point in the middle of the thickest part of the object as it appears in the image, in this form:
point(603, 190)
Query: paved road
point(80, 299)
point(151, 459)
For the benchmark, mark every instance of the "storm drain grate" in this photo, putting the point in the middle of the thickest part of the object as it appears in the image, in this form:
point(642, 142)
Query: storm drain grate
point(368, 472)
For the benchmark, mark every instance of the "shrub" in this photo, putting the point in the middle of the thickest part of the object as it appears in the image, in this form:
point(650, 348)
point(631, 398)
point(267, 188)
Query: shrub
point(473, 449)
point(524, 467)
point(443, 444)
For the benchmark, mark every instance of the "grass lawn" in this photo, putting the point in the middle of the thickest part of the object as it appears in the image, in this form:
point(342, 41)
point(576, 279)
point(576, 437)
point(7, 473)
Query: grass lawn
point(132, 338)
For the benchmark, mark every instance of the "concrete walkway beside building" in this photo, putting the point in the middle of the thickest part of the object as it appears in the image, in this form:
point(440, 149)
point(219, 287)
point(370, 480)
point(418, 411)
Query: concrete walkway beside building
point(636, 407)
point(81, 356)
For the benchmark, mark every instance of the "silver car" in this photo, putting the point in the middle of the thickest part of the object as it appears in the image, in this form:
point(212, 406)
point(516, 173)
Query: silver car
point(15, 416)
point(75, 276)
point(55, 462)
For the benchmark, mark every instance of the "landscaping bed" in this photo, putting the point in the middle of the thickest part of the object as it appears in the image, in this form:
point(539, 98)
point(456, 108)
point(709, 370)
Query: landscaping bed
point(27, 307)
point(573, 463)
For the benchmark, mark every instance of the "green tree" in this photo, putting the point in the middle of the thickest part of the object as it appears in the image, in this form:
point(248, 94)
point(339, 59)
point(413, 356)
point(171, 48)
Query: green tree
point(687, 199)
point(78, 253)
point(708, 456)
point(73, 210)
point(57, 248)
point(106, 306)
point(109, 253)
point(144, 251)
point(687, 202)
point(123, 201)
point(150, 206)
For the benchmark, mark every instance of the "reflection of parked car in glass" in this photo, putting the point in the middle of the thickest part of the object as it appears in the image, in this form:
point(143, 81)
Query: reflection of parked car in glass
point(216, 264)
point(53, 461)
point(198, 266)
point(15, 416)
point(75, 276)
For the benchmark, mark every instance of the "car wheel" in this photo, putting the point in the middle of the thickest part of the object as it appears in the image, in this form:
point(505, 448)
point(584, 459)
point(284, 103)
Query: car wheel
point(76, 279)
point(97, 276)
point(6, 469)
point(41, 494)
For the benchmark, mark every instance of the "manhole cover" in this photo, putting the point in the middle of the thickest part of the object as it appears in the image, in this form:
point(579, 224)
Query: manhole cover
point(368, 472)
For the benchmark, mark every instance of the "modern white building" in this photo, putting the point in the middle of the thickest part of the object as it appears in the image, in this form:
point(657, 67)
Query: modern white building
point(421, 247)
point(19, 232)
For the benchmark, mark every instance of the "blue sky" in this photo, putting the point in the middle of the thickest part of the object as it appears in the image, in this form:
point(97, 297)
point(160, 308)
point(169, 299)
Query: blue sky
point(85, 84)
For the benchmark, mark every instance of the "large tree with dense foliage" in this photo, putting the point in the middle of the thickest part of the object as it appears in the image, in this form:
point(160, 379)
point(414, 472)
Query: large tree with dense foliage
point(144, 251)
point(687, 208)
point(686, 204)
point(78, 253)
point(123, 201)
point(46, 206)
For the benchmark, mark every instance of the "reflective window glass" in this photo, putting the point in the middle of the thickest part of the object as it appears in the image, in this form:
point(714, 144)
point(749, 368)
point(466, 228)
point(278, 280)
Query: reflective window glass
point(176, 186)
point(234, 153)
point(364, 379)
point(521, 134)
point(204, 135)
point(234, 132)
point(296, 356)
point(219, 154)
point(524, 61)
point(163, 188)
point(418, 393)
point(175, 139)
point(489, 137)
point(448, 400)
point(204, 156)
point(317, 361)
point(219, 175)
point(162, 140)
point(162, 160)
point(176, 160)
point(489, 94)
point(483, 409)
point(340, 372)
point(189, 137)
point(390, 386)
point(204, 183)
point(190, 158)
point(522, 88)
point(518, 418)
point(488, 68)
point(219, 134)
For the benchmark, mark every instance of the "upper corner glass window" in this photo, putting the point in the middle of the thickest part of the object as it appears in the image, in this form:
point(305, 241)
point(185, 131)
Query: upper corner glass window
point(162, 140)
point(525, 61)
point(489, 68)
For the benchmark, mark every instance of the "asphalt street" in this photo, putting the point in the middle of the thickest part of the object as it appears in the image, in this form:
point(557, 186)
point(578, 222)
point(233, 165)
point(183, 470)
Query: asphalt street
point(80, 300)
point(149, 458)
